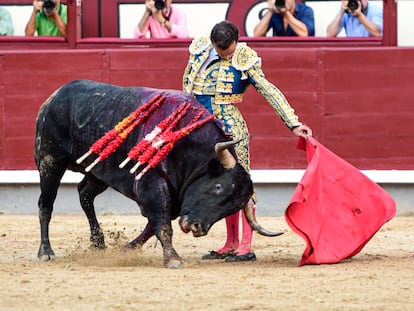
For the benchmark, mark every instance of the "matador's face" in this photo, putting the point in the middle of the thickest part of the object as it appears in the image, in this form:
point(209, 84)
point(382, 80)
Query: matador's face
point(226, 53)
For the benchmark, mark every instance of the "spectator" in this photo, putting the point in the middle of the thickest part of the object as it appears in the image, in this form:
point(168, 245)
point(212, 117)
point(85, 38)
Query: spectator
point(218, 72)
point(6, 23)
point(162, 20)
point(49, 18)
point(286, 18)
point(359, 18)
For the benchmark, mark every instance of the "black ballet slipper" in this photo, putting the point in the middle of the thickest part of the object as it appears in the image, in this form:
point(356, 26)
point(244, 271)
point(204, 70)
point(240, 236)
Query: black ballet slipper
point(215, 255)
point(240, 258)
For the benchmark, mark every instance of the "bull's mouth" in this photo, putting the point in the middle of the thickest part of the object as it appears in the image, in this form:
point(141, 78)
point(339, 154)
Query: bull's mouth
point(194, 226)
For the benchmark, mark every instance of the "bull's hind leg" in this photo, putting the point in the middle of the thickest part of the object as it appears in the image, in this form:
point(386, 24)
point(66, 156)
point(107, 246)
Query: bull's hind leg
point(50, 175)
point(140, 240)
point(89, 188)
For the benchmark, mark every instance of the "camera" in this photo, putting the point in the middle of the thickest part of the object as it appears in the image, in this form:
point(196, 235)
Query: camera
point(280, 4)
point(49, 5)
point(353, 5)
point(159, 4)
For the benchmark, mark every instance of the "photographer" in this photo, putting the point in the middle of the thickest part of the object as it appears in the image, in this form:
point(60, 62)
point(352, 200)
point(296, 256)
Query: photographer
point(359, 18)
point(162, 20)
point(286, 18)
point(49, 18)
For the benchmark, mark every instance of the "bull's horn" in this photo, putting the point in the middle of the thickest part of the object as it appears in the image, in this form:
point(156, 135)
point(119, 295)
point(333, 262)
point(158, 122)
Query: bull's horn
point(251, 218)
point(224, 155)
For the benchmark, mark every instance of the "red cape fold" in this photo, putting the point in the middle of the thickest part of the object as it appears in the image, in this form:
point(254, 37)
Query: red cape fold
point(335, 208)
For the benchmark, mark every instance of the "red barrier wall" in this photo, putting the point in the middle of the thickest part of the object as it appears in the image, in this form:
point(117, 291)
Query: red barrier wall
point(357, 100)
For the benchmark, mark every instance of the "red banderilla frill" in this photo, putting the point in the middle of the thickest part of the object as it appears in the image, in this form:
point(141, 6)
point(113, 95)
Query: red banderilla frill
point(143, 145)
point(158, 142)
point(111, 141)
point(169, 140)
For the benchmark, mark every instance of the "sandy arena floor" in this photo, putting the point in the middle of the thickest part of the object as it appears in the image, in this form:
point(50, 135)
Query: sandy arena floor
point(381, 277)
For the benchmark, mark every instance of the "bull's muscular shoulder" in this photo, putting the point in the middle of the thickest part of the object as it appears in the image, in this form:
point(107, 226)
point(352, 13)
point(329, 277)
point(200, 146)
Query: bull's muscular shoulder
point(199, 45)
point(244, 57)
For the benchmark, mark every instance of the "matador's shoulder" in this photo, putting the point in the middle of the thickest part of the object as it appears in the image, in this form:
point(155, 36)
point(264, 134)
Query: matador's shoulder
point(244, 57)
point(199, 45)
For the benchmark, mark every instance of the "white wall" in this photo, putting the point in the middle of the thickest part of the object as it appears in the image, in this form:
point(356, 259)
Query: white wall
point(405, 22)
point(20, 16)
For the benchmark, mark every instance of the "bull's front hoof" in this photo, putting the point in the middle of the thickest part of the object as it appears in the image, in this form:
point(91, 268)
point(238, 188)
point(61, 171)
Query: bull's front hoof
point(97, 246)
point(46, 257)
point(45, 254)
point(98, 241)
point(174, 264)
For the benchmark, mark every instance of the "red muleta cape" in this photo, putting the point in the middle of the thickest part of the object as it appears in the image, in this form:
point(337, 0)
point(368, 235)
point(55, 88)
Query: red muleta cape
point(335, 208)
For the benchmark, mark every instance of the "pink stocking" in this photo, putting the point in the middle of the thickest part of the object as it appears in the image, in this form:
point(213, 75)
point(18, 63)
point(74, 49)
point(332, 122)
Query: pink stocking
point(232, 240)
point(246, 242)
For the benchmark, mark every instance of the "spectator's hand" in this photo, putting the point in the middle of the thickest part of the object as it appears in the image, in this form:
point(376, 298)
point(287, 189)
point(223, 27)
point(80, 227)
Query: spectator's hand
point(344, 6)
point(302, 131)
point(157, 14)
point(37, 5)
point(56, 10)
point(271, 5)
point(150, 6)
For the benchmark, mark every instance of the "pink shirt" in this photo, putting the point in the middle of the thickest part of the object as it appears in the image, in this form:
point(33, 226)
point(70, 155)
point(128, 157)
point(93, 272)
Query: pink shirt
point(153, 29)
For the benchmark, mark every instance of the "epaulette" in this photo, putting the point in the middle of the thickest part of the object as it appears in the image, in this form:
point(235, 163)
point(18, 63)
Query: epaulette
point(199, 45)
point(244, 57)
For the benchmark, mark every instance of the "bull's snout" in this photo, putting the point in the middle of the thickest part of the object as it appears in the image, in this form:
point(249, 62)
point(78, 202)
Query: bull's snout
point(194, 226)
point(197, 229)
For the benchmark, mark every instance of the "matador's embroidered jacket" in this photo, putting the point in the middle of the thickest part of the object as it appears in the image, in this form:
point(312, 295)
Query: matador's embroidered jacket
point(221, 85)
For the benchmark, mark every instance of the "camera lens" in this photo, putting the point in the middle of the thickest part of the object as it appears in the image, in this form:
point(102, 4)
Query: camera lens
point(49, 6)
point(159, 4)
point(280, 4)
point(353, 5)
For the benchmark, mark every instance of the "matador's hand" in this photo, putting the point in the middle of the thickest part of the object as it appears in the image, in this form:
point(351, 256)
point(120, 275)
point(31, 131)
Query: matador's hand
point(302, 131)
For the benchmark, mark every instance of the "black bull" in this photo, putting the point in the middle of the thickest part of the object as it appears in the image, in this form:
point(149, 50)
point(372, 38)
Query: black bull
point(199, 181)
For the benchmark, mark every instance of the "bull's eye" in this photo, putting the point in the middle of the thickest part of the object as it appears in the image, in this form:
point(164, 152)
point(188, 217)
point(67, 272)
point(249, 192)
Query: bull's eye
point(219, 188)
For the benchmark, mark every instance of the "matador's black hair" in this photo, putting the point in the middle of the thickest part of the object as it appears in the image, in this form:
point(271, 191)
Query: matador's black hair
point(223, 34)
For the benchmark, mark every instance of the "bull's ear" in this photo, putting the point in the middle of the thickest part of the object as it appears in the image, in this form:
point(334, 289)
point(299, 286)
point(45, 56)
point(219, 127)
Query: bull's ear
point(215, 168)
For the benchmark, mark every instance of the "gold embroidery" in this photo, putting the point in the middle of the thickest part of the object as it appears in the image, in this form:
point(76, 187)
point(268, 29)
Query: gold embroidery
point(224, 99)
point(198, 45)
point(244, 57)
point(232, 117)
point(222, 75)
point(196, 63)
point(220, 86)
point(230, 77)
